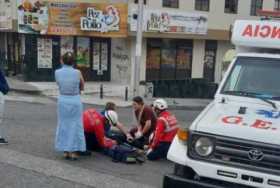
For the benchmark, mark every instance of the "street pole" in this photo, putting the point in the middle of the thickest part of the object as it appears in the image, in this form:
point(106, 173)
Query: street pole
point(138, 49)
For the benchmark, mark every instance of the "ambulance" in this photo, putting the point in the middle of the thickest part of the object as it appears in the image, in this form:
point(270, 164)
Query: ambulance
point(235, 141)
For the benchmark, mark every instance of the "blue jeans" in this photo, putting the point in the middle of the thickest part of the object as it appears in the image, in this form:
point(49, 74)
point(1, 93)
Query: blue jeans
point(160, 152)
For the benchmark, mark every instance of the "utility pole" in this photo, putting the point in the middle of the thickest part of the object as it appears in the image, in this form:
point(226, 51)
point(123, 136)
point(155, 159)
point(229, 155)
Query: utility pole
point(138, 49)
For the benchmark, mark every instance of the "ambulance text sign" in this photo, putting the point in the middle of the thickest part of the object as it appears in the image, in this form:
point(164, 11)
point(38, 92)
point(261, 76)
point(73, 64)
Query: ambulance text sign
point(263, 34)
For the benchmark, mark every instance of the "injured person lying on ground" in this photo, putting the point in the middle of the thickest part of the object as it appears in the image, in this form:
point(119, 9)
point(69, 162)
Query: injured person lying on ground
point(112, 143)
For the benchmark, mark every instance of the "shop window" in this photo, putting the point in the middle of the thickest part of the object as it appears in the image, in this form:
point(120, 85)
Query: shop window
point(277, 5)
point(92, 56)
point(210, 60)
point(202, 5)
point(255, 6)
point(100, 57)
point(82, 53)
point(66, 45)
point(183, 63)
point(153, 63)
point(168, 59)
point(231, 6)
point(170, 3)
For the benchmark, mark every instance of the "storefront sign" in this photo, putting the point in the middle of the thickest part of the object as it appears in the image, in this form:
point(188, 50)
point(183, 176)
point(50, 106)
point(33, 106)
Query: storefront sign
point(71, 18)
point(44, 53)
point(176, 22)
point(88, 19)
point(32, 16)
point(171, 22)
point(97, 21)
point(6, 15)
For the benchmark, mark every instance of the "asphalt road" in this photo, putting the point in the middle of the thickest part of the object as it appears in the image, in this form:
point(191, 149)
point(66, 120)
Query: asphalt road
point(30, 129)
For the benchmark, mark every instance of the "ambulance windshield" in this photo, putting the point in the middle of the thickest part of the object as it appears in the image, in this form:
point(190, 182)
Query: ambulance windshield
point(254, 77)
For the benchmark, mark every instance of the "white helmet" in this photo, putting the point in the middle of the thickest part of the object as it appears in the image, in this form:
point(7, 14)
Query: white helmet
point(160, 104)
point(112, 116)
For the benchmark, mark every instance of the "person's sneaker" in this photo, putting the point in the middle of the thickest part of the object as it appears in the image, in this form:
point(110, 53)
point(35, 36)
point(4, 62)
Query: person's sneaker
point(84, 153)
point(3, 141)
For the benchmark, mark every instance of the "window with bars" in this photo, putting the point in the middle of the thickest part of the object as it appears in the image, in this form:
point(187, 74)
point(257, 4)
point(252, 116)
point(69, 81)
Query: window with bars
point(231, 6)
point(202, 5)
point(255, 6)
point(277, 5)
point(170, 3)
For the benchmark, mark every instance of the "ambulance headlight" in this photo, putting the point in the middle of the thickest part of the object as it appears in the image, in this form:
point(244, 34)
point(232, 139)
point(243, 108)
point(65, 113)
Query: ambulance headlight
point(204, 146)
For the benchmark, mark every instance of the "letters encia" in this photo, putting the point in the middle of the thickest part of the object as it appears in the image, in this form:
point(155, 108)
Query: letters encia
point(263, 31)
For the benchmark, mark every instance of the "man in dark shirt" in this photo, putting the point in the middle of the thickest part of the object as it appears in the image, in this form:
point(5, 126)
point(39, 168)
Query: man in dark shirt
point(146, 121)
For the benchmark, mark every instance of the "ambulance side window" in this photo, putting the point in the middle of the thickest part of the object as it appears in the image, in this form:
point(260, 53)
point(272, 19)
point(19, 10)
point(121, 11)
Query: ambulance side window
point(233, 79)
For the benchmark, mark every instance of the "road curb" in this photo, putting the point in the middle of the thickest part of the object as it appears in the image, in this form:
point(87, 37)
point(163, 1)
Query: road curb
point(29, 92)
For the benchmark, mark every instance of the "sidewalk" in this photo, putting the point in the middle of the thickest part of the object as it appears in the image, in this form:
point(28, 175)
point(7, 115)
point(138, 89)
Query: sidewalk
point(112, 92)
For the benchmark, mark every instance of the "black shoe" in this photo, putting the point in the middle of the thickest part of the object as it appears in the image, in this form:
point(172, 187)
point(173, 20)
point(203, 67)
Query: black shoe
point(140, 159)
point(84, 153)
point(3, 141)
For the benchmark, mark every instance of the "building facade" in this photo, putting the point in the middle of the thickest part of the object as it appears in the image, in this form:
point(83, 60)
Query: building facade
point(175, 55)
point(184, 41)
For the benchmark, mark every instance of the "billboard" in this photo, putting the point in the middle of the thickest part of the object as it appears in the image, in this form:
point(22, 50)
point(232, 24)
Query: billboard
point(32, 16)
point(72, 18)
point(168, 21)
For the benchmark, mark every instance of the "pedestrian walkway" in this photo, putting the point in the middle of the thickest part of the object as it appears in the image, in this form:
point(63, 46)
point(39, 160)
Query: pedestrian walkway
point(111, 92)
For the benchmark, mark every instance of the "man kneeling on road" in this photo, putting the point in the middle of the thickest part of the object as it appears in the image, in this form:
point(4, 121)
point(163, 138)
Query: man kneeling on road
point(146, 121)
point(166, 129)
point(94, 127)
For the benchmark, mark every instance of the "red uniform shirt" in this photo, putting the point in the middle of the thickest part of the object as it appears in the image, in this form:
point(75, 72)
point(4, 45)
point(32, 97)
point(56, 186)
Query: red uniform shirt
point(166, 129)
point(94, 123)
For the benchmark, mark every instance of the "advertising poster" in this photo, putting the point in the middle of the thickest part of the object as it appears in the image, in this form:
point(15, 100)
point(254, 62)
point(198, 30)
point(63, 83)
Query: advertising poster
point(44, 53)
point(170, 21)
point(96, 56)
point(104, 56)
point(32, 16)
point(67, 45)
point(6, 15)
point(82, 57)
point(176, 22)
point(91, 19)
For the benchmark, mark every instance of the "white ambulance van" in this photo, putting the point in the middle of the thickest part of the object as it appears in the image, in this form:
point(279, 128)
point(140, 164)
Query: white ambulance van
point(235, 141)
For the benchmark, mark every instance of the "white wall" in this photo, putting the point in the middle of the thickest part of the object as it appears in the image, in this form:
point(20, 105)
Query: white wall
point(120, 61)
point(198, 58)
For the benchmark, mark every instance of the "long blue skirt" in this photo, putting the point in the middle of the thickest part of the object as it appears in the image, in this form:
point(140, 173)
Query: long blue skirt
point(70, 132)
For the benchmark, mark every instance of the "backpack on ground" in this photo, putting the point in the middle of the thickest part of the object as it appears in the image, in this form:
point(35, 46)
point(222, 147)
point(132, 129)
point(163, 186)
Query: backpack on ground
point(126, 154)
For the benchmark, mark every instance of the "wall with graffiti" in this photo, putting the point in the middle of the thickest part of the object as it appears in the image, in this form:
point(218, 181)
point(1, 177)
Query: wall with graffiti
point(121, 63)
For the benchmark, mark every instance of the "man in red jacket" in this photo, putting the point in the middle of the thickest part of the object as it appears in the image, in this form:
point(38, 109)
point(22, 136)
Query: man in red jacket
point(94, 124)
point(166, 129)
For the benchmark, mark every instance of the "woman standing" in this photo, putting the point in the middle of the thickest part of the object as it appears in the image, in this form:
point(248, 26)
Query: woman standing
point(69, 134)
